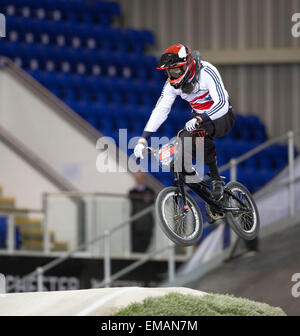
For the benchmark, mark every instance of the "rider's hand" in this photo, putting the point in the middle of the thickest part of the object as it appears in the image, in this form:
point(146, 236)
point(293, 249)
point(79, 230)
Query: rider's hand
point(192, 124)
point(139, 148)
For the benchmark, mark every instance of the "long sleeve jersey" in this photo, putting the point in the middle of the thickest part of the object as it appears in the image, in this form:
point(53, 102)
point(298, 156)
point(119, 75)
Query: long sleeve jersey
point(209, 99)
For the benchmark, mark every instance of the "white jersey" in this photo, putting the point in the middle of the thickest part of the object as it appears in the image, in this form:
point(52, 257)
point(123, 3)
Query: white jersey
point(208, 98)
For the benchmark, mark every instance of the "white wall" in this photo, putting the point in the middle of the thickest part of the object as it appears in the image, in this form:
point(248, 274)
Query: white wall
point(21, 181)
point(37, 124)
point(62, 218)
point(26, 184)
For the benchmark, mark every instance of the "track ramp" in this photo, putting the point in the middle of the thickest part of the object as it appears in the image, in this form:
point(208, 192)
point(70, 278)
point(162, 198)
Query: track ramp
point(89, 302)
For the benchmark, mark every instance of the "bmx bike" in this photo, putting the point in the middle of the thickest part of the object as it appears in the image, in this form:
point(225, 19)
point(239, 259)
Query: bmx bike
point(179, 215)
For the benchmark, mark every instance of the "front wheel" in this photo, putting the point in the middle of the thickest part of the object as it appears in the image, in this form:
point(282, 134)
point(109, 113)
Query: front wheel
point(244, 222)
point(183, 228)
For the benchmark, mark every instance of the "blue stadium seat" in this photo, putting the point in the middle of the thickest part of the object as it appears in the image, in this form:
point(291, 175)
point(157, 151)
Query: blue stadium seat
point(252, 162)
point(221, 159)
point(135, 40)
point(260, 133)
point(279, 153)
point(147, 36)
point(265, 161)
point(106, 125)
point(113, 8)
point(248, 178)
point(131, 99)
point(93, 121)
point(3, 234)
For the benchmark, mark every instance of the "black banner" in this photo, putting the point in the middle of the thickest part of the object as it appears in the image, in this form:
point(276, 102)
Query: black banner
point(77, 273)
point(137, 325)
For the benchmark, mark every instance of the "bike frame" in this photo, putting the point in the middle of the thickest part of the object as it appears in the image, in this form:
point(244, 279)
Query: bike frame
point(201, 189)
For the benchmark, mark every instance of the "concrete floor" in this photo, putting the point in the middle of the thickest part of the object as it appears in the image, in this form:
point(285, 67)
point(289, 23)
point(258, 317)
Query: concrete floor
point(265, 277)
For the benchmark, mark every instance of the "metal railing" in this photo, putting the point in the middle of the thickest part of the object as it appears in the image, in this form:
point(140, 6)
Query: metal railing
point(232, 165)
point(94, 219)
point(108, 278)
point(290, 137)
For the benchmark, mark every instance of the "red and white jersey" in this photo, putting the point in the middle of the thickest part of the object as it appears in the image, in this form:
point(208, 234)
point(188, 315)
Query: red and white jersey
point(209, 96)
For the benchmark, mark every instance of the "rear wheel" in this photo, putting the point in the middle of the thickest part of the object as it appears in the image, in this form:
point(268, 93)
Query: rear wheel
point(244, 222)
point(183, 228)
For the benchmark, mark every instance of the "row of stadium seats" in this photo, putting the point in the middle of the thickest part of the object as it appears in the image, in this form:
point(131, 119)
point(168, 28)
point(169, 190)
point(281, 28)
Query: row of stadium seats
point(118, 115)
point(84, 61)
point(77, 35)
point(96, 83)
point(253, 179)
point(274, 157)
point(105, 90)
point(97, 98)
point(95, 12)
point(98, 113)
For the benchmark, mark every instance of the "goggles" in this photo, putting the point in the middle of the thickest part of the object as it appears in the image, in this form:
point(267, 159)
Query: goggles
point(175, 73)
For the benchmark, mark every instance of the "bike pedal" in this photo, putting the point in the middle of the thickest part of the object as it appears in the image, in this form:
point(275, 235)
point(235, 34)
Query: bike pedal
point(217, 217)
point(219, 199)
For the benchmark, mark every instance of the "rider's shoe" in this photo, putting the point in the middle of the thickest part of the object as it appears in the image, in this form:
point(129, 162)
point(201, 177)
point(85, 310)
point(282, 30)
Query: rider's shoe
point(213, 217)
point(192, 177)
point(217, 188)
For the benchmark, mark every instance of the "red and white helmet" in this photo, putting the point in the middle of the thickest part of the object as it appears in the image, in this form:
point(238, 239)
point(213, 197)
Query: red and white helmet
point(179, 65)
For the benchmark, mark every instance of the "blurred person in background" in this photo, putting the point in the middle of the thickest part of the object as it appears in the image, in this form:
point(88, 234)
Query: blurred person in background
point(141, 196)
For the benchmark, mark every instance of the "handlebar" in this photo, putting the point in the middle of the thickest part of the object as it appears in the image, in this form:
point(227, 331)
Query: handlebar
point(149, 149)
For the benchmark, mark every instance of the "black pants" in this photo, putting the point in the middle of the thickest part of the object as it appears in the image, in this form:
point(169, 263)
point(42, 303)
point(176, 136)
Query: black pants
point(210, 130)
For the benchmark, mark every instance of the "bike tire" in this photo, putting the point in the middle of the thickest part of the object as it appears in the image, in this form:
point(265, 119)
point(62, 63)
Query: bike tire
point(232, 219)
point(171, 234)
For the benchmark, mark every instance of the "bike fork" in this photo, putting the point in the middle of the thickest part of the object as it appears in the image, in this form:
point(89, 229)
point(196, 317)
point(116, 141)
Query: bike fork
point(180, 184)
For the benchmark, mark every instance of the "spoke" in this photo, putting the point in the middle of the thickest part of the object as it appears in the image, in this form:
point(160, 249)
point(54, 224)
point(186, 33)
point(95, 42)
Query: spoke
point(181, 228)
point(243, 217)
point(181, 223)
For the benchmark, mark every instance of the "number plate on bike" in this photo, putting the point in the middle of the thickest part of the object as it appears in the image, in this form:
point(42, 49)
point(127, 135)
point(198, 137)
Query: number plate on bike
point(166, 154)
